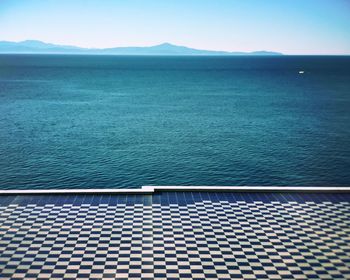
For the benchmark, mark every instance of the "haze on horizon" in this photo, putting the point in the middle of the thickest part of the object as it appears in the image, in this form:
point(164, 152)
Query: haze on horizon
point(289, 26)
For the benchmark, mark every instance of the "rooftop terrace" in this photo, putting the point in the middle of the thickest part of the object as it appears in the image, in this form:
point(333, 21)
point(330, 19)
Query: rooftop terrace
point(174, 233)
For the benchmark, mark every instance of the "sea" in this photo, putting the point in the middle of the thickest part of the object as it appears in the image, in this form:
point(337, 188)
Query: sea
point(76, 121)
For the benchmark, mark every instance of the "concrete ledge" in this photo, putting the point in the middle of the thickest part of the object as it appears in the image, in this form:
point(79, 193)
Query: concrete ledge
point(80, 191)
point(152, 189)
point(253, 189)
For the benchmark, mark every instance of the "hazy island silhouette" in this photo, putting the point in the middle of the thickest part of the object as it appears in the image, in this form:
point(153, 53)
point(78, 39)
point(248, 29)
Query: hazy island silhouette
point(39, 47)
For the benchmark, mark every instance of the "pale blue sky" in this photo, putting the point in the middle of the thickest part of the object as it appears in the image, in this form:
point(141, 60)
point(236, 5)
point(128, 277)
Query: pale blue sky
point(288, 26)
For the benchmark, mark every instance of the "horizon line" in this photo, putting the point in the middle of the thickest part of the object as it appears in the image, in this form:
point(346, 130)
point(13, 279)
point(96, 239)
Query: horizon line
point(160, 44)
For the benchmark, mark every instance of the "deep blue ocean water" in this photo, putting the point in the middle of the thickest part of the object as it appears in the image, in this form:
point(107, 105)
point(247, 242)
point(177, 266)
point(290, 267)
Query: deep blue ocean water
point(123, 122)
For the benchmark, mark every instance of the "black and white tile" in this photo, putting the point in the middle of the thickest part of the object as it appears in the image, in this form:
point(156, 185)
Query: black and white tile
point(209, 238)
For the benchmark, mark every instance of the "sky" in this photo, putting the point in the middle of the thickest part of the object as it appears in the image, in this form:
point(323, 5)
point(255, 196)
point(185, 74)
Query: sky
point(287, 26)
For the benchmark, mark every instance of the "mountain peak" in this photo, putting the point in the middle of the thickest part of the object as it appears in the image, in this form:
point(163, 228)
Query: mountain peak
point(166, 44)
point(36, 44)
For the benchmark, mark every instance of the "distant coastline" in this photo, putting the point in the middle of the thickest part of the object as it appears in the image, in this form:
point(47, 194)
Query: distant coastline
point(39, 47)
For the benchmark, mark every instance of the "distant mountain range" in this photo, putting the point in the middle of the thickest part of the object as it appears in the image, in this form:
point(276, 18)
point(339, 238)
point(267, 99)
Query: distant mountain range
point(38, 47)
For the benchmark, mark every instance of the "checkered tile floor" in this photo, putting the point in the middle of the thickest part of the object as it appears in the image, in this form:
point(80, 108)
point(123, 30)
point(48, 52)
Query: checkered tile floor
point(209, 238)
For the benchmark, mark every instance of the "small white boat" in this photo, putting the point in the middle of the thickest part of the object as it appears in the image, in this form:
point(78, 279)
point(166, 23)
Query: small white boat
point(301, 72)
